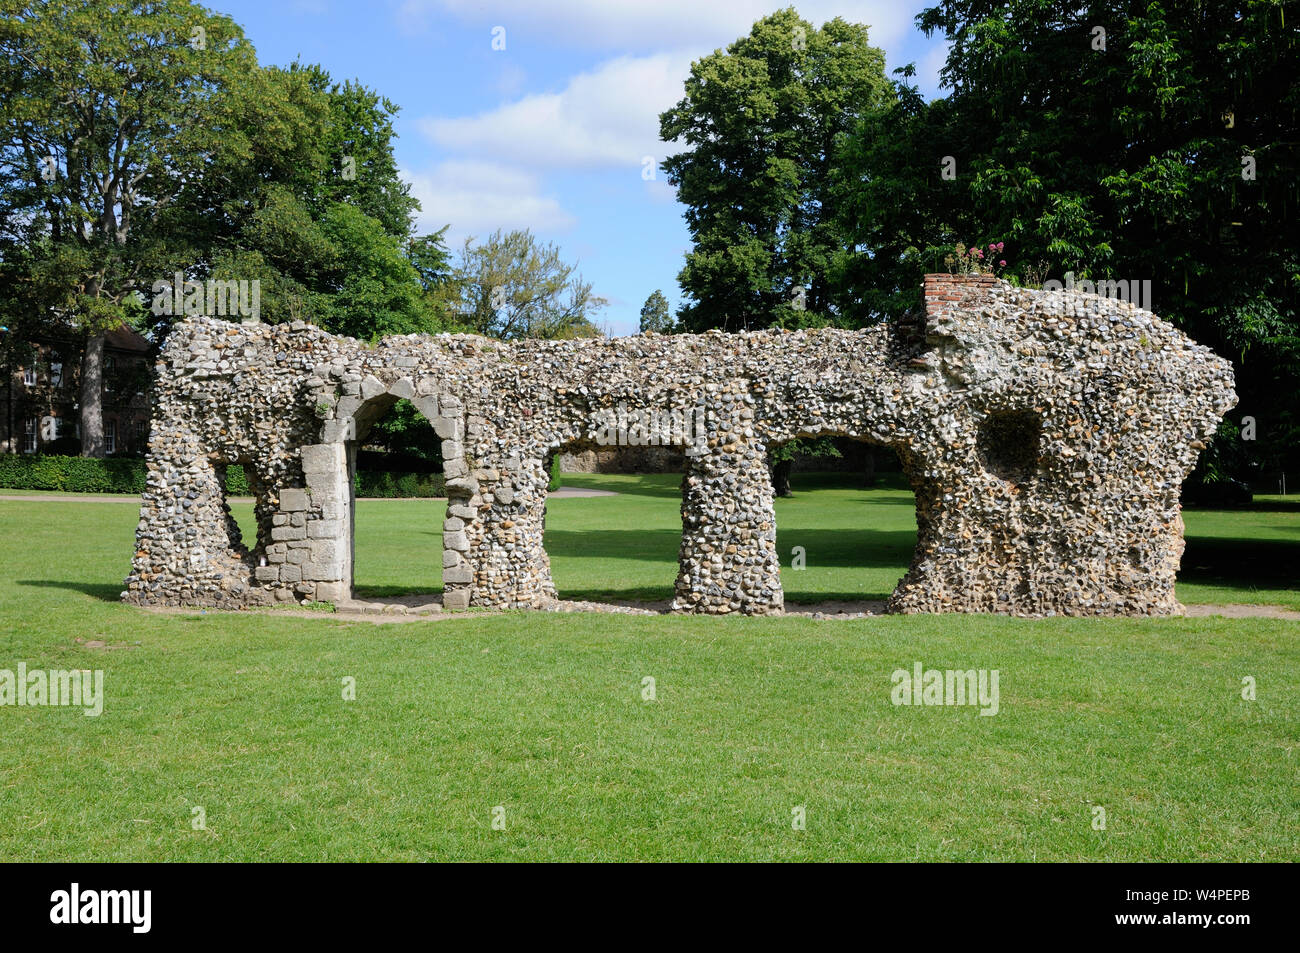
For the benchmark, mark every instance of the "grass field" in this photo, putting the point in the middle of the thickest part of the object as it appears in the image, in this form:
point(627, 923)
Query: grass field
point(241, 714)
point(858, 543)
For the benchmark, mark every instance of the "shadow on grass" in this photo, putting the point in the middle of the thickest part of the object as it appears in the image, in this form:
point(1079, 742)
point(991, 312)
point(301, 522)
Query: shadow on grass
point(655, 594)
point(1256, 506)
point(104, 591)
point(658, 485)
point(421, 588)
point(806, 496)
point(1241, 563)
point(632, 594)
point(865, 548)
point(797, 597)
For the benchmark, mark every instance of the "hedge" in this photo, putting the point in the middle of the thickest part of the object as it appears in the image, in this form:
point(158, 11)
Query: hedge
point(390, 484)
point(39, 471)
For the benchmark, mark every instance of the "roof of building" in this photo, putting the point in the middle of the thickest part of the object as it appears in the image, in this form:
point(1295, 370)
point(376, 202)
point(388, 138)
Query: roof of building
point(124, 338)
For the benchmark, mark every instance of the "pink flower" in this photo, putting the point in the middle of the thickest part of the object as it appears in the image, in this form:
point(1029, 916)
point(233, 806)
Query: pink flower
point(992, 247)
point(1002, 263)
point(999, 246)
point(979, 252)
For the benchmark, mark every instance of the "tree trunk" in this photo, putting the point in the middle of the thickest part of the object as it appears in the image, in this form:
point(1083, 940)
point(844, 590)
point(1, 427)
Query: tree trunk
point(781, 477)
point(92, 396)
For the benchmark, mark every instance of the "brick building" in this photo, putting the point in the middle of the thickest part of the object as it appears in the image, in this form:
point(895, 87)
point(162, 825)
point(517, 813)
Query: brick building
point(41, 396)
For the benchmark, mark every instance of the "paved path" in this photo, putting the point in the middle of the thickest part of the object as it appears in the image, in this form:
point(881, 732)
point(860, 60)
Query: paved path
point(563, 493)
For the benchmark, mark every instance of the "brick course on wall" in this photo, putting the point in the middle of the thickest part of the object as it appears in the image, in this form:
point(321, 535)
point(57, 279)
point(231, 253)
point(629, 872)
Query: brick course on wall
point(1046, 435)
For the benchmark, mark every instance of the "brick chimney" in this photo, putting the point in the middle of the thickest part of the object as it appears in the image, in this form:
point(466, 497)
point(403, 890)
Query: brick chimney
point(943, 291)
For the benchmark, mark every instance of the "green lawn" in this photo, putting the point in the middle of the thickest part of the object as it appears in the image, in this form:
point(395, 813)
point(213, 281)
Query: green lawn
point(542, 714)
point(857, 543)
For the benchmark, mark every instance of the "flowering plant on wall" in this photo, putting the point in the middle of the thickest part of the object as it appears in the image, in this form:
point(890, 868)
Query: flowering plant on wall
point(975, 260)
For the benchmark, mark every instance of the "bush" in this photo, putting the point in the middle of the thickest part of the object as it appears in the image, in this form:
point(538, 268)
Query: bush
point(237, 481)
point(555, 474)
point(41, 471)
point(390, 484)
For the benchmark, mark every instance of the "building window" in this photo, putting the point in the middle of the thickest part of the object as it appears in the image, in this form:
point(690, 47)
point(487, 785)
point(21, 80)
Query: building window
point(29, 376)
point(110, 368)
point(56, 374)
point(141, 433)
point(110, 435)
point(30, 426)
point(63, 428)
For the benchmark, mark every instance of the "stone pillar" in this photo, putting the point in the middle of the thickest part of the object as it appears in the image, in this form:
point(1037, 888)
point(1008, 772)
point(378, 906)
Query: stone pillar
point(446, 414)
point(327, 502)
point(728, 559)
point(505, 543)
point(186, 551)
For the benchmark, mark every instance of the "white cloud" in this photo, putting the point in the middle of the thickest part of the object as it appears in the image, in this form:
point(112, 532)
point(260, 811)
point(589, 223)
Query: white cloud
point(626, 25)
point(477, 198)
point(927, 71)
point(606, 117)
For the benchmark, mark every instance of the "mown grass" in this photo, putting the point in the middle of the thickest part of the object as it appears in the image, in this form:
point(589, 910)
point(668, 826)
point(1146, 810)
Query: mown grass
point(857, 543)
point(543, 714)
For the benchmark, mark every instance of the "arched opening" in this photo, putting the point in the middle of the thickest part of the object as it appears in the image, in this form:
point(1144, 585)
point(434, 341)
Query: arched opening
point(847, 528)
point(397, 503)
point(248, 513)
point(612, 528)
point(1008, 443)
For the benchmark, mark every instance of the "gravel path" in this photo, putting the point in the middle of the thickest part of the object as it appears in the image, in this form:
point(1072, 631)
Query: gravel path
point(428, 608)
point(563, 493)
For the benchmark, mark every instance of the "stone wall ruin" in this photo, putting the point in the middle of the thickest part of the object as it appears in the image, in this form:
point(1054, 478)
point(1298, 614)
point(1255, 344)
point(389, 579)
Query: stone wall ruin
point(1046, 436)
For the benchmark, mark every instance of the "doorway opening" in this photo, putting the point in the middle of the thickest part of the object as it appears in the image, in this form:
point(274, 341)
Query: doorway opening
point(398, 503)
point(846, 523)
point(612, 530)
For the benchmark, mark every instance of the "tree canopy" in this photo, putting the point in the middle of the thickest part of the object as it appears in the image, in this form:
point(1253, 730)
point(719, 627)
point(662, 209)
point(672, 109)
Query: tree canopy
point(1117, 140)
point(139, 140)
point(762, 121)
point(512, 286)
point(654, 314)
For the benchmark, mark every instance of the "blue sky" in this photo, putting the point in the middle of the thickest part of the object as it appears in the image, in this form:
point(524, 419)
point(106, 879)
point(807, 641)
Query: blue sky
point(551, 132)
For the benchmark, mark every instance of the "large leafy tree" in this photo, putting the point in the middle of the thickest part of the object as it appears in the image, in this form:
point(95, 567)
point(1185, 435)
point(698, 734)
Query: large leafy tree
point(317, 211)
point(108, 111)
point(1107, 139)
point(762, 121)
point(140, 139)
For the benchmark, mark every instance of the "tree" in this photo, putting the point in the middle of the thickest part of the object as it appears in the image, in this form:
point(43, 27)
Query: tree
point(780, 459)
point(654, 314)
point(317, 212)
point(107, 111)
point(1122, 139)
point(762, 121)
point(512, 286)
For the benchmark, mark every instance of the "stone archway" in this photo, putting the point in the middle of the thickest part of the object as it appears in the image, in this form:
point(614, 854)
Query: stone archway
point(329, 470)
